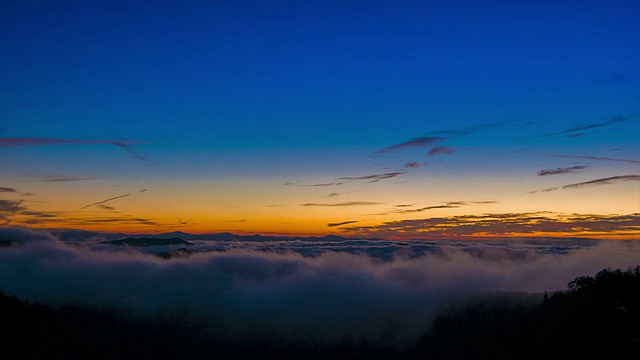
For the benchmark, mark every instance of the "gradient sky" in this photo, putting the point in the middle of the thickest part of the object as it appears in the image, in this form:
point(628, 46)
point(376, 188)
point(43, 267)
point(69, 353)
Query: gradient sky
point(395, 119)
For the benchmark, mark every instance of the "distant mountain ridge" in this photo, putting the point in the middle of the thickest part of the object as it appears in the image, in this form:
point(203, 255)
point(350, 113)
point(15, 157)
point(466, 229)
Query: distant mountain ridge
point(84, 235)
point(146, 241)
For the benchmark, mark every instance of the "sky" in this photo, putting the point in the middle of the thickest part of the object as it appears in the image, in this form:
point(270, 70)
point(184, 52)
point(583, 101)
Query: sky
point(385, 119)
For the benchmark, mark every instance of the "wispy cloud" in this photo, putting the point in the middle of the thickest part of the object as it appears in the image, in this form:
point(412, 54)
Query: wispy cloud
point(595, 158)
point(589, 126)
point(10, 206)
point(374, 177)
point(561, 170)
point(349, 203)
point(297, 183)
point(418, 142)
point(105, 201)
point(11, 142)
point(64, 178)
point(467, 130)
point(322, 184)
point(441, 150)
point(8, 190)
point(437, 136)
point(341, 223)
point(616, 77)
point(603, 181)
point(106, 207)
point(125, 145)
point(411, 165)
point(110, 199)
point(40, 214)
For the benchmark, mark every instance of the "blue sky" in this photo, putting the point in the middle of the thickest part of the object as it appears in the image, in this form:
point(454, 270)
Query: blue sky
point(275, 92)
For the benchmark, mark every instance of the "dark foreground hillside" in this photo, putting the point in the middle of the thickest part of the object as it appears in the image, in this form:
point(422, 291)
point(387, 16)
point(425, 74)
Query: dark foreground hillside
point(597, 317)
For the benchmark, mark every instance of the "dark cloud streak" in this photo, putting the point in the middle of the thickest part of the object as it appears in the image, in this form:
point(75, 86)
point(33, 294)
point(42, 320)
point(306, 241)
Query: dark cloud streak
point(561, 170)
point(341, 223)
point(64, 178)
point(603, 181)
point(106, 200)
point(414, 143)
point(613, 120)
point(441, 150)
point(374, 177)
point(596, 158)
point(349, 203)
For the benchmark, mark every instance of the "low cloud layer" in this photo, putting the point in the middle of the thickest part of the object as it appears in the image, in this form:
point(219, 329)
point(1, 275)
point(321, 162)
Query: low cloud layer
point(286, 295)
point(505, 224)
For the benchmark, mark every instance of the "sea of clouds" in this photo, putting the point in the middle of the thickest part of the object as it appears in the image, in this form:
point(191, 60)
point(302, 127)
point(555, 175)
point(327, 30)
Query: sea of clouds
point(323, 293)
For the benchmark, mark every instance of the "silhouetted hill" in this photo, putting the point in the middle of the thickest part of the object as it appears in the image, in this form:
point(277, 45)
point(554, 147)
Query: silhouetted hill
point(144, 241)
point(32, 331)
point(596, 318)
